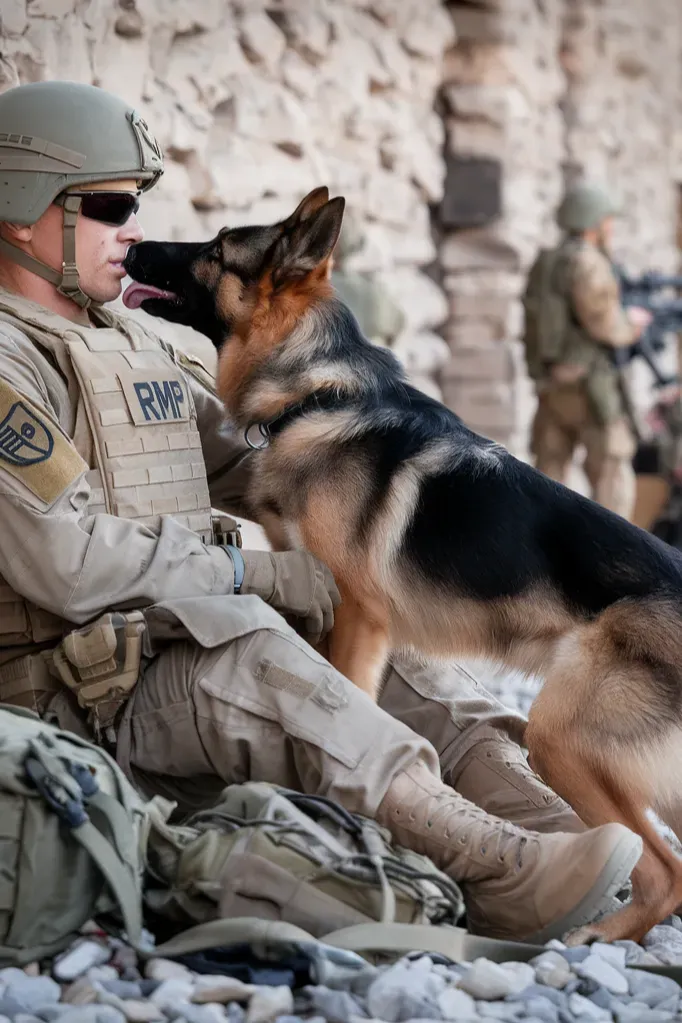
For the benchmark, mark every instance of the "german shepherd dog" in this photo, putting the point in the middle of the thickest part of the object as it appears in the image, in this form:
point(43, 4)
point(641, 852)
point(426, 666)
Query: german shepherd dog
point(439, 539)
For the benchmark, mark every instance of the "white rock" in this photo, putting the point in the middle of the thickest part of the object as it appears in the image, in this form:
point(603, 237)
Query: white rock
point(665, 942)
point(135, 1010)
point(166, 969)
point(269, 1002)
point(456, 1004)
point(552, 969)
point(221, 989)
point(611, 953)
point(584, 1009)
point(597, 968)
point(407, 990)
point(172, 991)
point(489, 981)
point(79, 959)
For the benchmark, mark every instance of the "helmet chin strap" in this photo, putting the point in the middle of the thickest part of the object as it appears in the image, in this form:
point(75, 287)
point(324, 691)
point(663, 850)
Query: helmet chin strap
point(66, 282)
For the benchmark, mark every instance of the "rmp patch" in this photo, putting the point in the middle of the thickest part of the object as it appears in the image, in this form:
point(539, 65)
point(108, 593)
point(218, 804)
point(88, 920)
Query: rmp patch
point(155, 398)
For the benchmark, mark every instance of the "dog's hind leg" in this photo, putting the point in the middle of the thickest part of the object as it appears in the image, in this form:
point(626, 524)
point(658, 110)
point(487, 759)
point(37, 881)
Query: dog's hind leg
point(587, 737)
point(359, 642)
point(598, 799)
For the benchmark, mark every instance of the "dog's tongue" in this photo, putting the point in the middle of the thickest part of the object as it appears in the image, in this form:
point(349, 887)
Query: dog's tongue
point(136, 293)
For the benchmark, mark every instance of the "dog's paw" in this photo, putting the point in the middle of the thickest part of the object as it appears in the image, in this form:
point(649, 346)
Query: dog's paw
point(586, 935)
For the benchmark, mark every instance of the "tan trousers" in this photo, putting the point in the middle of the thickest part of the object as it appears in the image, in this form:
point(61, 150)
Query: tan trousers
point(562, 422)
point(265, 706)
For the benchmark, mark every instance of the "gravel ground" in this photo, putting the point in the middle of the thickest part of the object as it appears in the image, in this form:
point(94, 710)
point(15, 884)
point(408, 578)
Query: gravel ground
point(100, 980)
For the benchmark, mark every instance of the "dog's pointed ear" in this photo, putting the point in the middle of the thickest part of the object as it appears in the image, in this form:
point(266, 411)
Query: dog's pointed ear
point(308, 245)
point(312, 202)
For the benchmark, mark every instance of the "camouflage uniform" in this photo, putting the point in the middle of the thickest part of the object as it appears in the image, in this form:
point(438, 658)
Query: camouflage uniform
point(113, 451)
point(667, 444)
point(580, 397)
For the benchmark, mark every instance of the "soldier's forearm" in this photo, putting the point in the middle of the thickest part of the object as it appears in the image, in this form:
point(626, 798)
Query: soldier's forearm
point(77, 566)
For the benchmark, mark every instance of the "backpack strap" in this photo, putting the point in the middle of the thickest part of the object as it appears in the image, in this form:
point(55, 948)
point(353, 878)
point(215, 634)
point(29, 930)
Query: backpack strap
point(67, 787)
point(454, 942)
point(115, 872)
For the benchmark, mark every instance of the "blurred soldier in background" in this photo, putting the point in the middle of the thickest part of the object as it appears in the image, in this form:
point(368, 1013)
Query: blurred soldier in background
point(574, 321)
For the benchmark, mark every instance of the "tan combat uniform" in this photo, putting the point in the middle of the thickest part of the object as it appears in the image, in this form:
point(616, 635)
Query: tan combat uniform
point(105, 503)
point(589, 409)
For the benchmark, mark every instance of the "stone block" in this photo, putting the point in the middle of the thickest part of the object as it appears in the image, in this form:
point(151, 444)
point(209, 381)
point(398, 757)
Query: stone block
point(13, 18)
point(423, 353)
point(307, 28)
point(477, 139)
point(262, 41)
point(489, 362)
point(472, 191)
point(483, 407)
point(478, 24)
point(53, 9)
point(478, 249)
point(420, 298)
point(493, 103)
point(483, 284)
point(480, 307)
point(472, 333)
point(428, 34)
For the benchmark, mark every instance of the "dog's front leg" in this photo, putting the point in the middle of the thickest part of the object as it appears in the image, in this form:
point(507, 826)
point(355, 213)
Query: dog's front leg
point(359, 642)
point(274, 529)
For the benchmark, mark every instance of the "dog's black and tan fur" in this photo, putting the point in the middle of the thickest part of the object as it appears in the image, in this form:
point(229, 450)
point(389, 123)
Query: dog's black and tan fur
point(440, 539)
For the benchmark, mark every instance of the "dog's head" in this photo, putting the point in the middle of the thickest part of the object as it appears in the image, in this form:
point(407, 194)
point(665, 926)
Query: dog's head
point(244, 275)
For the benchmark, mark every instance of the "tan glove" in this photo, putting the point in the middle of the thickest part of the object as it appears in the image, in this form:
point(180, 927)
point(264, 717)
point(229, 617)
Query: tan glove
point(294, 583)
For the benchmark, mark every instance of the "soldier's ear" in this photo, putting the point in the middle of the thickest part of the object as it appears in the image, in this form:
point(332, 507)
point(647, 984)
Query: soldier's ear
point(16, 232)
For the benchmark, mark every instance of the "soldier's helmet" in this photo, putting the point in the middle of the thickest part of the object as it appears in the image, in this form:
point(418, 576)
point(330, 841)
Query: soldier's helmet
point(56, 135)
point(584, 206)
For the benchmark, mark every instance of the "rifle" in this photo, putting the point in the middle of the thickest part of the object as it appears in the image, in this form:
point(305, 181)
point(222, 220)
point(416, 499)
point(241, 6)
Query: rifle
point(667, 318)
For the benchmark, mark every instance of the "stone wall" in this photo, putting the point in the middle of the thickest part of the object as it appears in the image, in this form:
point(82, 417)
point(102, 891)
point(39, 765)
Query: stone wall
point(551, 90)
point(257, 102)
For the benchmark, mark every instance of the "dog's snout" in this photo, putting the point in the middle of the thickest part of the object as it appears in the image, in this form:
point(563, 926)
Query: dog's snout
point(131, 257)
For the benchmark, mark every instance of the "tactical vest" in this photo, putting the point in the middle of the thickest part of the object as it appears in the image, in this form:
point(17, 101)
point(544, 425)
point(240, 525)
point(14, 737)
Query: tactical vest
point(135, 425)
point(552, 334)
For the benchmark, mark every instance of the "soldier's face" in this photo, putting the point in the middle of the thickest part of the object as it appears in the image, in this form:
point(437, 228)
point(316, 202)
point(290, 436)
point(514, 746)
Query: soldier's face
point(606, 233)
point(100, 247)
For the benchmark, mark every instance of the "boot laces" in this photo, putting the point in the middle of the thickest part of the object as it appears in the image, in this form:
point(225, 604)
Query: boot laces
point(469, 823)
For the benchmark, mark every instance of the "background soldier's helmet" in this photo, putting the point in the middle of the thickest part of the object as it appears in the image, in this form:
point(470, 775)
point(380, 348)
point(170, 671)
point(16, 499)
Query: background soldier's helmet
point(584, 207)
point(55, 135)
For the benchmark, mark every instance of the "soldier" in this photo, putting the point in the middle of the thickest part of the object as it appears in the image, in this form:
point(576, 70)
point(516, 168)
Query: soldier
point(113, 450)
point(574, 319)
point(658, 464)
point(379, 317)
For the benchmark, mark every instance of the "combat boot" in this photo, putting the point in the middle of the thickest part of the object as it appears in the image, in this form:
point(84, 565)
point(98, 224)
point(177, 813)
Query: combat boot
point(495, 775)
point(517, 884)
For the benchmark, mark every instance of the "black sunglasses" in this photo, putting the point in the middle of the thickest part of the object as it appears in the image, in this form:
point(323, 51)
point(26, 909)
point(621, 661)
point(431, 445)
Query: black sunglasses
point(112, 208)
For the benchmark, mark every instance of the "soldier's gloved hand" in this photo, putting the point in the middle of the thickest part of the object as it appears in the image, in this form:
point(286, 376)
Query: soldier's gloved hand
point(295, 583)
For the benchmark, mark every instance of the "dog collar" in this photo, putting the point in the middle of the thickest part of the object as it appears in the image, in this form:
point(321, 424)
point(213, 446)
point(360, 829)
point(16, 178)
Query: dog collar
point(259, 435)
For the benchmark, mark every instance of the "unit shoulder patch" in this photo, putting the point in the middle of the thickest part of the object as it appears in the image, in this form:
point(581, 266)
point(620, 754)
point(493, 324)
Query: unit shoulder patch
point(33, 450)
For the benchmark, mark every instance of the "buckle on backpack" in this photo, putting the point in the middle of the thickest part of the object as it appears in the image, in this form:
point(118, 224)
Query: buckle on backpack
point(65, 786)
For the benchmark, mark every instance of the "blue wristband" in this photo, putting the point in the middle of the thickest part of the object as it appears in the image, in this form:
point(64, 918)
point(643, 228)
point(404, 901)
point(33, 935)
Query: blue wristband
point(238, 565)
